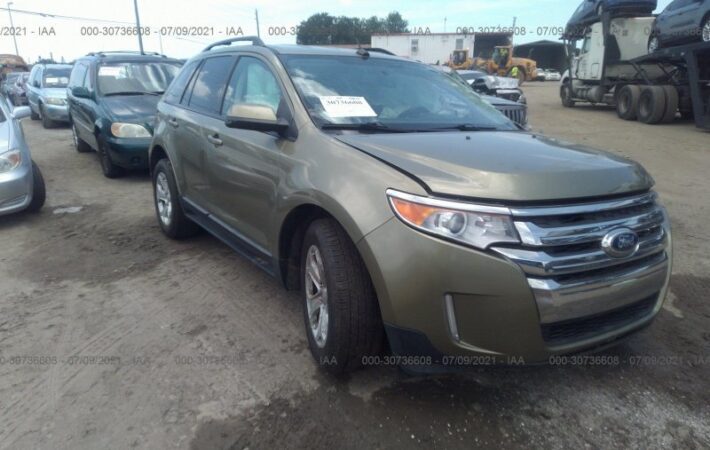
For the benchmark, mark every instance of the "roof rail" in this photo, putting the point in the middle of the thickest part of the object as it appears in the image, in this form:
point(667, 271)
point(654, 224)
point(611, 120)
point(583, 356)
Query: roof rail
point(125, 52)
point(253, 39)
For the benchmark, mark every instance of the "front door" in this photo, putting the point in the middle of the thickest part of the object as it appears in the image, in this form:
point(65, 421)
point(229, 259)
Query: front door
point(244, 165)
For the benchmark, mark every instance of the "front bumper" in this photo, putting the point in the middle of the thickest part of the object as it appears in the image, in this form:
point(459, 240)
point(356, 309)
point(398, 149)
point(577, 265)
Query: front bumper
point(56, 113)
point(444, 300)
point(15, 189)
point(129, 153)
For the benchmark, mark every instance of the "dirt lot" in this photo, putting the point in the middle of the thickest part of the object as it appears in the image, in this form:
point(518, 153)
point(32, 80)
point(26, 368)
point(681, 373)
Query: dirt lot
point(157, 344)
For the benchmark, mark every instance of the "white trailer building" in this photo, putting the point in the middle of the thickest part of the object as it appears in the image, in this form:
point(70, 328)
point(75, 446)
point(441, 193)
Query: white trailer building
point(428, 48)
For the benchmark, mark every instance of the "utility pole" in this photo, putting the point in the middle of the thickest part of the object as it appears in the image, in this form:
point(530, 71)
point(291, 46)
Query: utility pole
point(258, 31)
point(515, 21)
point(12, 27)
point(444, 24)
point(138, 24)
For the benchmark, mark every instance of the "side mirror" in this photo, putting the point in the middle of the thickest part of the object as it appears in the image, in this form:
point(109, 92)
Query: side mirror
point(80, 92)
point(256, 118)
point(21, 112)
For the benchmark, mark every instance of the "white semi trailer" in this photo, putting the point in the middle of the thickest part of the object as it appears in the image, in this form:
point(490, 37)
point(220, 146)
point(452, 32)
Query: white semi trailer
point(612, 66)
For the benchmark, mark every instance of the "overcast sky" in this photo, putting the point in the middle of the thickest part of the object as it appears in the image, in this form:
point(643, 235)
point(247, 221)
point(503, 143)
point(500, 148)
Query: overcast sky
point(63, 38)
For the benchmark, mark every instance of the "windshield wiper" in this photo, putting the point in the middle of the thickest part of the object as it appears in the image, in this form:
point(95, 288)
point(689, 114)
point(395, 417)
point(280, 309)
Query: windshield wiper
point(132, 93)
point(465, 127)
point(367, 126)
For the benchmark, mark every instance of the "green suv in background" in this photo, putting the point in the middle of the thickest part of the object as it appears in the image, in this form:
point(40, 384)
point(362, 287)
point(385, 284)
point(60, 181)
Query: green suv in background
point(113, 98)
point(410, 214)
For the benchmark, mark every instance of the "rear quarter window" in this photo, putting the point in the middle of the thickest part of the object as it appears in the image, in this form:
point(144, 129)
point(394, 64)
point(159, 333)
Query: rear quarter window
point(177, 88)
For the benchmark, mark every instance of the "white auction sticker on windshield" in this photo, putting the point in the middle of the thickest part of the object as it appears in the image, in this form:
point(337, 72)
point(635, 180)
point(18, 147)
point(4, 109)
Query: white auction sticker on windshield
point(337, 106)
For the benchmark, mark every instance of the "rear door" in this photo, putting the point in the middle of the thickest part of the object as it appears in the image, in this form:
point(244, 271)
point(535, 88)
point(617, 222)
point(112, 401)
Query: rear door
point(197, 122)
point(244, 168)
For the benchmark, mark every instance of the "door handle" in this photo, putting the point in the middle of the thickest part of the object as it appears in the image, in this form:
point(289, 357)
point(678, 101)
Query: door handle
point(173, 123)
point(215, 140)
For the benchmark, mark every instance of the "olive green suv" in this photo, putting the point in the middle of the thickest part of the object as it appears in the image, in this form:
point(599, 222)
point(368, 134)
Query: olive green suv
point(416, 220)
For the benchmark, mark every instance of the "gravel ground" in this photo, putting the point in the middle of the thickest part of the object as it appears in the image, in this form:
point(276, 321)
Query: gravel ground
point(151, 343)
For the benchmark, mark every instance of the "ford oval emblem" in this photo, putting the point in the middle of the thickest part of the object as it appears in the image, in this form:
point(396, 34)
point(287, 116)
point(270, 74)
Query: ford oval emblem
point(621, 243)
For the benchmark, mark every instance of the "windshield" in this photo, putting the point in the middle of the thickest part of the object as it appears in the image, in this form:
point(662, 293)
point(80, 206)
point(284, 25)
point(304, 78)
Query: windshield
point(351, 90)
point(56, 77)
point(136, 78)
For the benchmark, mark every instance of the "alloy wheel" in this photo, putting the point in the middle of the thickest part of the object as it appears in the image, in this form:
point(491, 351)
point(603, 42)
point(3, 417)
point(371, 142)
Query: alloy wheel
point(163, 199)
point(706, 31)
point(316, 296)
point(653, 44)
point(74, 137)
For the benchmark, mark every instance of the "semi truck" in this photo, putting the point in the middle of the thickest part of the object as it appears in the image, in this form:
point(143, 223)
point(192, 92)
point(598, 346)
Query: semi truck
point(612, 66)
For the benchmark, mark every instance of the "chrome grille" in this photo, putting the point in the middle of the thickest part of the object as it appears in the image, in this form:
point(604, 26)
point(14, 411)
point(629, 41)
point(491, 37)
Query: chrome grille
point(570, 273)
point(516, 114)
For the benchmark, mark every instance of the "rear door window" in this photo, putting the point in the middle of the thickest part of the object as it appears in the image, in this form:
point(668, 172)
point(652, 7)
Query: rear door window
point(208, 88)
point(177, 88)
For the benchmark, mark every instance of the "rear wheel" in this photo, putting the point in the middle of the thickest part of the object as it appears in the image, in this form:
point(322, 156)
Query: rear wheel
point(706, 29)
point(652, 105)
point(671, 104)
point(627, 102)
point(79, 144)
point(566, 95)
point(340, 310)
point(171, 217)
point(653, 44)
point(109, 169)
point(39, 192)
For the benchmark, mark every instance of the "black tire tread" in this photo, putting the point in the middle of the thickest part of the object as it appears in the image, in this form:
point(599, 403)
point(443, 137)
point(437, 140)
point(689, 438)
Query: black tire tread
point(671, 104)
point(39, 190)
point(357, 330)
point(181, 226)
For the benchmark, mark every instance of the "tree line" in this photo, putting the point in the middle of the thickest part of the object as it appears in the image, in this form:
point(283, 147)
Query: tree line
point(324, 29)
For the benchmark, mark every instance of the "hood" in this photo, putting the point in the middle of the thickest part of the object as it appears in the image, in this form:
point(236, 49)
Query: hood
point(505, 166)
point(55, 92)
point(140, 109)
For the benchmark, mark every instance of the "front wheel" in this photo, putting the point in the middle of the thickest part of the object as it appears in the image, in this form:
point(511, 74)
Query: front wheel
point(39, 190)
point(109, 169)
point(653, 44)
point(341, 311)
point(47, 123)
point(706, 29)
point(566, 95)
point(79, 144)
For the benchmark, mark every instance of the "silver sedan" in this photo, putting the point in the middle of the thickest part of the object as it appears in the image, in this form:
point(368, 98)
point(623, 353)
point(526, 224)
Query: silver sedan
point(21, 183)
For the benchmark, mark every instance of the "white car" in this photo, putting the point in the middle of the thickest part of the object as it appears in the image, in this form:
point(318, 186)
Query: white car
point(552, 75)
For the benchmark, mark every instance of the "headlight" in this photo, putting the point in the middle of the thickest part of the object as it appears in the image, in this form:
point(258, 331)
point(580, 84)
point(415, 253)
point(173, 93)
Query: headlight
point(56, 101)
point(10, 160)
point(474, 225)
point(129, 130)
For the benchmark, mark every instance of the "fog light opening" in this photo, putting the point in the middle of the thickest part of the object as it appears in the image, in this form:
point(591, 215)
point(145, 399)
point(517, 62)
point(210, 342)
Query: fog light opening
point(451, 317)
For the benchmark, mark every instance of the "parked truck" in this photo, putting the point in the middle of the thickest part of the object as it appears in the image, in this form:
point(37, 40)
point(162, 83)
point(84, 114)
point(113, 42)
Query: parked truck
point(612, 66)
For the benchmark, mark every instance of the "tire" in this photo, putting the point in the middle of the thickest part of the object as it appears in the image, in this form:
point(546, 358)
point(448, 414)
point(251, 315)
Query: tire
point(79, 144)
point(705, 29)
point(178, 226)
point(600, 10)
point(33, 114)
point(39, 192)
point(566, 95)
point(654, 43)
point(672, 100)
point(109, 169)
point(627, 102)
point(652, 105)
point(353, 327)
point(46, 122)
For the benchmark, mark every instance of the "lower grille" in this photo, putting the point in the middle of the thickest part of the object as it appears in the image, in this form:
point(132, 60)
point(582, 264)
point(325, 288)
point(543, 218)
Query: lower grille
point(582, 288)
point(562, 333)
